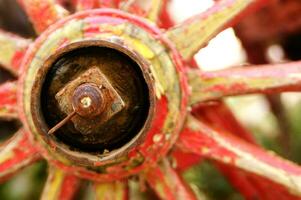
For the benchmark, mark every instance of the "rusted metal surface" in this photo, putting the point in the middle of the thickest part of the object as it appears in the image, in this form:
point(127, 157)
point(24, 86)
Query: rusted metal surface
point(88, 100)
point(61, 123)
point(168, 93)
point(60, 185)
point(8, 100)
point(105, 100)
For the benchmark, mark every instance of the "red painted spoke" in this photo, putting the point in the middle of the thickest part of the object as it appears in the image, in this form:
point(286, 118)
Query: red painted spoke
point(12, 50)
point(196, 32)
point(185, 160)
point(150, 10)
point(154, 10)
point(93, 4)
point(168, 184)
point(85, 4)
point(60, 185)
point(16, 154)
point(249, 185)
point(43, 13)
point(236, 81)
point(219, 115)
point(200, 139)
point(109, 3)
point(166, 20)
point(117, 190)
point(8, 100)
point(133, 6)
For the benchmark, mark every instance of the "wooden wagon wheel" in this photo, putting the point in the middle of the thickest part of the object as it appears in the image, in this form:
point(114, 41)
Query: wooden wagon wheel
point(105, 94)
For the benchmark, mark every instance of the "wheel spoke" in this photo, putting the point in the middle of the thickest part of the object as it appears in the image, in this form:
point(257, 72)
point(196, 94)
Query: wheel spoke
point(12, 50)
point(92, 4)
point(16, 154)
point(185, 160)
point(166, 20)
point(132, 6)
point(85, 4)
point(43, 13)
point(8, 100)
point(117, 190)
point(151, 10)
point(236, 81)
point(195, 33)
point(60, 185)
point(249, 185)
point(154, 10)
point(109, 3)
point(219, 115)
point(201, 139)
point(168, 184)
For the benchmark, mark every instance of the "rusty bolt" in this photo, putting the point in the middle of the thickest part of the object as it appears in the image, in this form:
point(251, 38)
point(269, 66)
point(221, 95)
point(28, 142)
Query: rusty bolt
point(88, 101)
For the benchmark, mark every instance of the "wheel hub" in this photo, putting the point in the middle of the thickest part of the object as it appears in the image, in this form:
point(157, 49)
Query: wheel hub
point(116, 80)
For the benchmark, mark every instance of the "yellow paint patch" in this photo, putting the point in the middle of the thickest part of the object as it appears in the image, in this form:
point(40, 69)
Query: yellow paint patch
point(54, 183)
point(190, 36)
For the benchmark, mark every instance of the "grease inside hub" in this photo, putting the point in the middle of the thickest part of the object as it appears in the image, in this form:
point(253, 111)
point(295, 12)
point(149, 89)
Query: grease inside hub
point(120, 78)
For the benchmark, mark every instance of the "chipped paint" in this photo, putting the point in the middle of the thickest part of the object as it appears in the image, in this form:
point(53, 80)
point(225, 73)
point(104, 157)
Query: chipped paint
point(43, 13)
point(230, 150)
point(194, 33)
point(8, 100)
point(59, 185)
point(12, 50)
point(237, 81)
point(117, 190)
point(139, 39)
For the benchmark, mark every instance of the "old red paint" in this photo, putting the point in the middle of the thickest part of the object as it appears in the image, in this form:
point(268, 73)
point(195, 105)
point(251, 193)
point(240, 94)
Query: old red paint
point(236, 81)
point(184, 160)
point(166, 20)
point(247, 184)
point(85, 4)
point(168, 184)
point(16, 154)
point(223, 145)
point(219, 115)
point(8, 100)
point(198, 140)
point(185, 35)
point(42, 13)
point(13, 49)
point(164, 146)
point(69, 187)
point(17, 58)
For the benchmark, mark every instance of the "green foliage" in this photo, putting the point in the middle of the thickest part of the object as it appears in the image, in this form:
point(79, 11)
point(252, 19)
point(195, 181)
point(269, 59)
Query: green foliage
point(26, 185)
point(210, 181)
